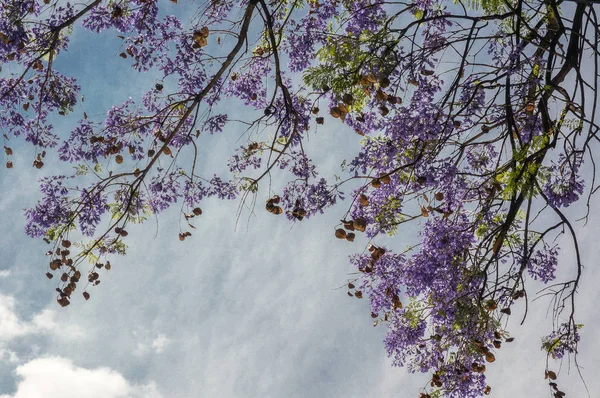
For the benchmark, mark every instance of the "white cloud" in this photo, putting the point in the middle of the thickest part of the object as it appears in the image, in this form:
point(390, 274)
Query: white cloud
point(159, 343)
point(144, 344)
point(12, 326)
point(45, 322)
point(56, 377)
point(5, 273)
point(8, 355)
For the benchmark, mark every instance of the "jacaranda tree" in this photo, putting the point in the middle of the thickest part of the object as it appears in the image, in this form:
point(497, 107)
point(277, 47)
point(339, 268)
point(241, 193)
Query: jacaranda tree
point(474, 117)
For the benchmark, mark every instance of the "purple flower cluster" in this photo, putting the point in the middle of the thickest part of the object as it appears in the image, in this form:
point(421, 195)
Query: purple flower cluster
point(564, 185)
point(52, 211)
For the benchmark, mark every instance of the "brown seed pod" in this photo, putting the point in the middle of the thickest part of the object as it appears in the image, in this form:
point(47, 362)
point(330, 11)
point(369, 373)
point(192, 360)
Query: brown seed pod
point(360, 224)
point(364, 201)
point(349, 225)
point(63, 301)
point(278, 210)
point(348, 99)
point(340, 233)
point(350, 237)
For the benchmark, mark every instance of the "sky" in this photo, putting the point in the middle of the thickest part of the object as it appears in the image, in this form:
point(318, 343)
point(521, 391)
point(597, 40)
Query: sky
point(246, 309)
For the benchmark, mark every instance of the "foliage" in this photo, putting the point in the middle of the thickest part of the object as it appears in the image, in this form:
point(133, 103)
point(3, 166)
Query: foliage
point(474, 118)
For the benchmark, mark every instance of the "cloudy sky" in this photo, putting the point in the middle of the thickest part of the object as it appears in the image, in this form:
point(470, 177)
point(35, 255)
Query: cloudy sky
point(257, 310)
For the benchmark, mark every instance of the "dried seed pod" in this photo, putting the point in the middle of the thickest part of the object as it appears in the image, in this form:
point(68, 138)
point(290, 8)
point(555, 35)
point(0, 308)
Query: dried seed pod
point(63, 301)
point(340, 233)
point(364, 201)
point(348, 99)
point(360, 224)
point(335, 112)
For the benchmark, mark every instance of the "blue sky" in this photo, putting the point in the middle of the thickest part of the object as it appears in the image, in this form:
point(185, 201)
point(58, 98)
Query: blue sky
point(253, 310)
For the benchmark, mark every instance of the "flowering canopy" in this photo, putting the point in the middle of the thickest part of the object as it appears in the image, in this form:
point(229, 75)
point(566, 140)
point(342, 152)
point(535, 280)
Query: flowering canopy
point(471, 115)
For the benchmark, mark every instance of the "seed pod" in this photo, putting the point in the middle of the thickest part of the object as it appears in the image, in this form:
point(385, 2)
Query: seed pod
point(63, 301)
point(360, 224)
point(364, 201)
point(340, 233)
point(349, 225)
point(348, 99)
